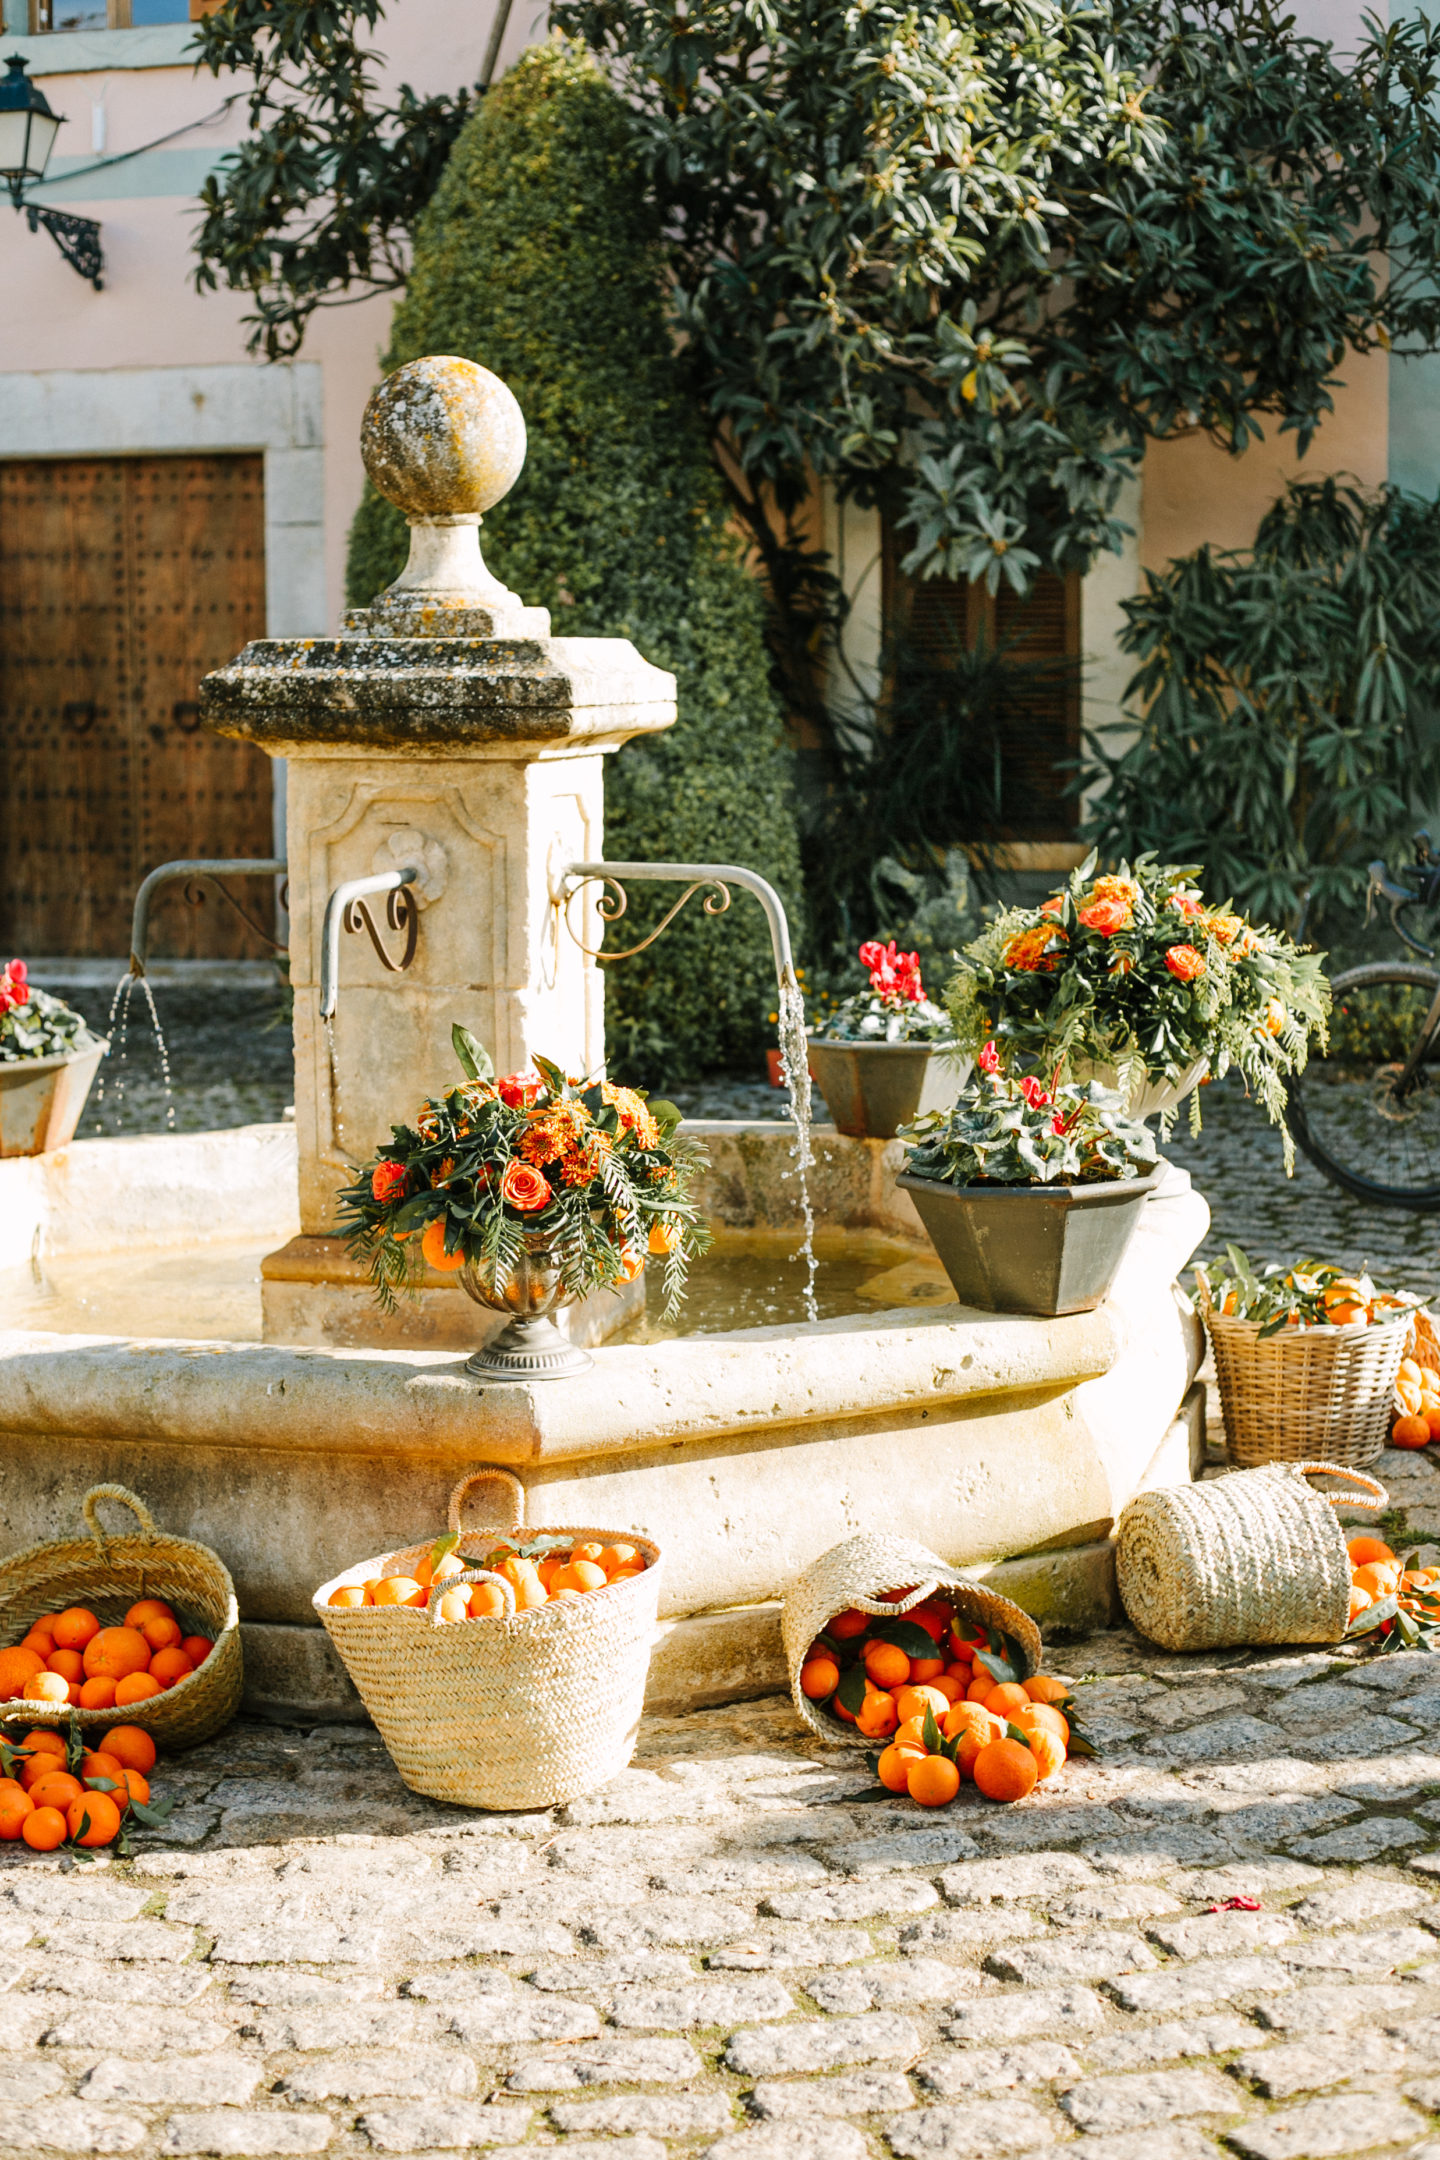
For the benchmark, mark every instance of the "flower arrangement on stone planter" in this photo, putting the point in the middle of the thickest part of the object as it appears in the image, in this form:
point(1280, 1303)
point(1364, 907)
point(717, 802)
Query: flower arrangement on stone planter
point(497, 1173)
point(48, 1058)
point(1030, 1194)
point(871, 1057)
point(1135, 979)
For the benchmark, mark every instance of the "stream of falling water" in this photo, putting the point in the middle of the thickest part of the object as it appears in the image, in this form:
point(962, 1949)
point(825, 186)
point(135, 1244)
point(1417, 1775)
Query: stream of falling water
point(337, 1121)
point(795, 1066)
point(124, 991)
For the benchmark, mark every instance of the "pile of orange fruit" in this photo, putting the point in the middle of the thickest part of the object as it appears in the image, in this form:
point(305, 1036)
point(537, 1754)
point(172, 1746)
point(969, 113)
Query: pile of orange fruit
point(1417, 1405)
point(48, 1803)
point(71, 1658)
point(1377, 1573)
point(537, 1578)
point(946, 1718)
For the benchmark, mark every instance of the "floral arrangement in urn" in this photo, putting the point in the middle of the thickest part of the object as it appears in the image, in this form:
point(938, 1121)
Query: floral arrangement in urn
point(1004, 1130)
point(35, 1025)
point(595, 1173)
point(1135, 978)
point(894, 1009)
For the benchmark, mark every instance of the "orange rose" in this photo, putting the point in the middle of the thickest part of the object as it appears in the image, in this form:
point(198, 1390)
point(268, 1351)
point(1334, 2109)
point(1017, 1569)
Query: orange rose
point(1107, 916)
point(1184, 962)
point(387, 1182)
point(524, 1189)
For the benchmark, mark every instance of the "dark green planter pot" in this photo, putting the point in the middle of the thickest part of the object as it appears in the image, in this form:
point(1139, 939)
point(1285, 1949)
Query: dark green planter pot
point(1042, 1249)
point(872, 1089)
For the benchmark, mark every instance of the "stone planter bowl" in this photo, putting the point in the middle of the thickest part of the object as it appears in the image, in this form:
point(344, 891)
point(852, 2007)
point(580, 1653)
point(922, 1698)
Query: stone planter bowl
point(872, 1089)
point(41, 1099)
point(1039, 1249)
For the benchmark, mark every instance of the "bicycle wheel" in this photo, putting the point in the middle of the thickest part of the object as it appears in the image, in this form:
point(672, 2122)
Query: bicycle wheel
point(1343, 1110)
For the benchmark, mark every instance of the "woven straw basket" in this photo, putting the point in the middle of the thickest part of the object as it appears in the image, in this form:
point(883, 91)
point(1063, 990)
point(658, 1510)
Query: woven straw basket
point(856, 1574)
point(521, 1712)
point(110, 1574)
point(1255, 1557)
point(1304, 1392)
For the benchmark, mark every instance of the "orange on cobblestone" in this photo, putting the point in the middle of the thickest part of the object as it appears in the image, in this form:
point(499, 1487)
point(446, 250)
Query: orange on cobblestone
point(1363, 1550)
point(1042, 1717)
point(819, 1677)
point(96, 1762)
point(132, 1746)
point(1007, 1699)
point(44, 1828)
point(14, 1808)
point(56, 1789)
point(136, 1687)
point(847, 1624)
point(399, 1590)
point(1005, 1770)
point(1379, 1577)
point(1048, 1750)
point(74, 1627)
point(1045, 1688)
point(115, 1653)
point(933, 1781)
point(876, 1717)
point(1411, 1432)
point(893, 1767)
point(43, 1741)
point(16, 1667)
point(131, 1786)
point(47, 1687)
point(973, 1736)
point(93, 1819)
point(913, 1701)
point(887, 1666)
point(1359, 1599)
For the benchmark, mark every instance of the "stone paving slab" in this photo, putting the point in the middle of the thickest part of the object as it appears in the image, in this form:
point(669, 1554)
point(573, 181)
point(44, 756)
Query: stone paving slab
point(731, 1952)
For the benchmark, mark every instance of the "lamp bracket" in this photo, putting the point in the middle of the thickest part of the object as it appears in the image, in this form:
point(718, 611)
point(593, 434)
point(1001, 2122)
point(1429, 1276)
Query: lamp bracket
point(78, 239)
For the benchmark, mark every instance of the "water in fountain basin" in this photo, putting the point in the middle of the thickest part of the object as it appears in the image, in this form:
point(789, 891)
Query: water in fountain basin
point(795, 1066)
point(124, 991)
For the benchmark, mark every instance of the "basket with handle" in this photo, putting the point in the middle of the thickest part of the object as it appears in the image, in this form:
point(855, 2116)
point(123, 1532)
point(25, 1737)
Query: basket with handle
point(109, 1572)
point(1306, 1391)
point(1257, 1556)
point(855, 1576)
point(524, 1711)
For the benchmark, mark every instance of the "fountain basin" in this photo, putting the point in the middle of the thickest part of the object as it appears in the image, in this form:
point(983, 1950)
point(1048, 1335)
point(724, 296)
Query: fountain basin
point(745, 1452)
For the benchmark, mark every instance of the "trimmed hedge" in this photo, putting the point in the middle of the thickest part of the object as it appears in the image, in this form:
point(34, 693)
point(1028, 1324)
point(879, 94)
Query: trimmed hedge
point(539, 258)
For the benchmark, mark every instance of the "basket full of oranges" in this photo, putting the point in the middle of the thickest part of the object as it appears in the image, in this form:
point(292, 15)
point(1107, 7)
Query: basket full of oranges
point(1306, 1359)
point(136, 1628)
point(503, 1669)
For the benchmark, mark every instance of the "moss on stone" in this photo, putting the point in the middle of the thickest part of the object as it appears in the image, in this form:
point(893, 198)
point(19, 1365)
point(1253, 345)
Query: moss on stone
point(539, 258)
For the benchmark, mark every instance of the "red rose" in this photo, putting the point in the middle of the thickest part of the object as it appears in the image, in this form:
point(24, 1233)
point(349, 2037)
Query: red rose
point(989, 1058)
point(519, 1090)
point(1184, 962)
point(524, 1189)
point(1107, 916)
point(387, 1182)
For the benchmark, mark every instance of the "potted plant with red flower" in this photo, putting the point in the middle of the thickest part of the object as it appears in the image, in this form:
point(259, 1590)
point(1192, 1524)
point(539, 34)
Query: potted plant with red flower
point(876, 1063)
point(536, 1189)
point(1030, 1194)
point(48, 1059)
point(1134, 979)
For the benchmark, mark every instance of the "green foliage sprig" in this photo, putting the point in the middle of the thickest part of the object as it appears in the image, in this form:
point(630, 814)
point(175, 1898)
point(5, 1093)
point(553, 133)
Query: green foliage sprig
point(597, 1172)
point(1135, 972)
point(1003, 1130)
point(1286, 702)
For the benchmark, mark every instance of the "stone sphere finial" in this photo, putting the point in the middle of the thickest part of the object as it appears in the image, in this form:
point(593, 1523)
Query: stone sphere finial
point(442, 438)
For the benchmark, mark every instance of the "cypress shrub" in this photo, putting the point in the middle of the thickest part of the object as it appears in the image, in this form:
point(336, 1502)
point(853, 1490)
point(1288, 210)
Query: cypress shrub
point(539, 258)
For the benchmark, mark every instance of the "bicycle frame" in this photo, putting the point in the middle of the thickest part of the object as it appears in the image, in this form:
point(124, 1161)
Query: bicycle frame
point(1426, 869)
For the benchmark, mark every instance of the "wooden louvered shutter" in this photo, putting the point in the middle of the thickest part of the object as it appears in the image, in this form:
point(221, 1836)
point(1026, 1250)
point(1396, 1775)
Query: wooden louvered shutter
point(122, 582)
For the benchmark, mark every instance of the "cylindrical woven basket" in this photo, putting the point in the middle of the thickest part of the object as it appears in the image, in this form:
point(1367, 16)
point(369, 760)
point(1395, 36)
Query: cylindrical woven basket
point(109, 1574)
point(522, 1712)
point(856, 1574)
point(1304, 1392)
point(1255, 1557)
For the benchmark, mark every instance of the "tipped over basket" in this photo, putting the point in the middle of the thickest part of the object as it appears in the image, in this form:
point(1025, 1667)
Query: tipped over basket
point(527, 1711)
point(109, 1574)
point(855, 1576)
point(1255, 1557)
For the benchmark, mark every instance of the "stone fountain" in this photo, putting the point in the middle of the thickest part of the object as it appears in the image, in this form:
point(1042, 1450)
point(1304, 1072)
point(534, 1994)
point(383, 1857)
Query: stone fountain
point(446, 754)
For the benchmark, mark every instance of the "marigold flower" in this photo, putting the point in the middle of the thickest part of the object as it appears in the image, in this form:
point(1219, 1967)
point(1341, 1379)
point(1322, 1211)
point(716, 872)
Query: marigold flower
point(387, 1182)
point(632, 1113)
point(1030, 952)
point(523, 1189)
point(1107, 916)
point(552, 1133)
point(1115, 888)
point(1184, 962)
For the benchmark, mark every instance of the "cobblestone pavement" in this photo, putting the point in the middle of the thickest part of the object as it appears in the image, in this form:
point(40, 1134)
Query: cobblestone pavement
point(728, 1953)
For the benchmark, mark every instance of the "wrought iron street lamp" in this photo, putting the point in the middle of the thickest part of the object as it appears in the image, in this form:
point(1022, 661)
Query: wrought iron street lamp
point(27, 136)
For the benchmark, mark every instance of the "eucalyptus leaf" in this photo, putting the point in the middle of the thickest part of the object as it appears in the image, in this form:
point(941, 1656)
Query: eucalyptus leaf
point(475, 1060)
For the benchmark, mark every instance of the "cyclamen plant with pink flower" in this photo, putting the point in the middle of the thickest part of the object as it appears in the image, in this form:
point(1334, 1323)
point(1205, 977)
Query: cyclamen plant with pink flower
point(1011, 1129)
point(35, 1025)
point(894, 1009)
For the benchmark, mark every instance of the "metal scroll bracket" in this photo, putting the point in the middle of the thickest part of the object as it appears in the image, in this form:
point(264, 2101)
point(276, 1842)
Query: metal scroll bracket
point(192, 872)
point(346, 910)
point(714, 879)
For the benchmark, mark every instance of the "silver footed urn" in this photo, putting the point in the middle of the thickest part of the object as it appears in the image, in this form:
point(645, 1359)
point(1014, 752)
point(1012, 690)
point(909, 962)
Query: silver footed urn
point(532, 1347)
